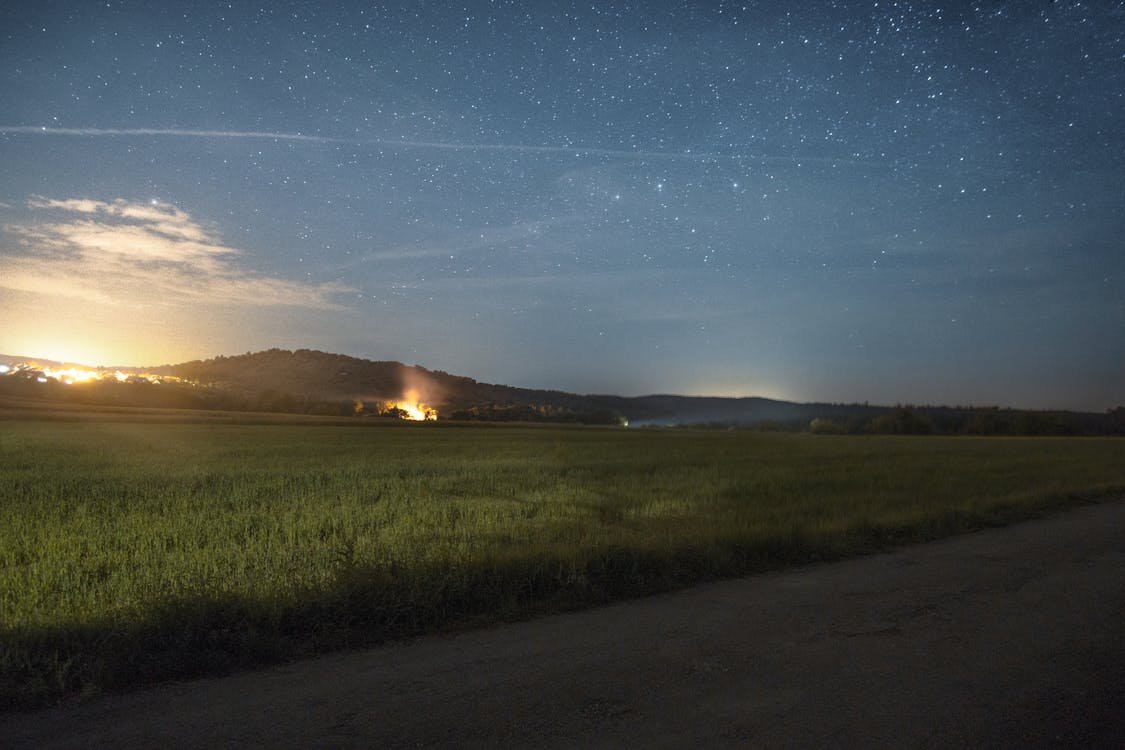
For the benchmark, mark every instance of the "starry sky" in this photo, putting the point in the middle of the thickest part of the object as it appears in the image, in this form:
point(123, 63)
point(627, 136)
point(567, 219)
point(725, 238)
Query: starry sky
point(834, 201)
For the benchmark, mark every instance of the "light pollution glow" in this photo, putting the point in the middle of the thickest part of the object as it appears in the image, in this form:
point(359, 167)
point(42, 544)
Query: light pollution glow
point(408, 408)
point(112, 282)
point(70, 374)
point(411, 408)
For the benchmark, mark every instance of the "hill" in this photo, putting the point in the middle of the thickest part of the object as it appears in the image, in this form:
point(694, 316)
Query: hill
point(315, 375)
point(310, 374)
point(315, 382)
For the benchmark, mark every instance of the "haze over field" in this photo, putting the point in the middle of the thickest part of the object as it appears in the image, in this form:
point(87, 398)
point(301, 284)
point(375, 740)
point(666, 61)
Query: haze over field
point(842, 202)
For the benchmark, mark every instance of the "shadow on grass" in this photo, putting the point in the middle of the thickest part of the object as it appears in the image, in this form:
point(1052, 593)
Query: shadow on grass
point(212, 635)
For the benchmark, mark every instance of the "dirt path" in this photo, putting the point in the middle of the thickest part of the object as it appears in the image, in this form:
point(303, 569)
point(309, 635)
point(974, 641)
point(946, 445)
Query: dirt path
point(1003, 638)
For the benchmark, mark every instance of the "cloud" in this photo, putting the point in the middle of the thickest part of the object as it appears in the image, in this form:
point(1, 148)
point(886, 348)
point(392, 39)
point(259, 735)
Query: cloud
point(470, 241)
point(162, 218)
point(404, 144)
point(130, 254)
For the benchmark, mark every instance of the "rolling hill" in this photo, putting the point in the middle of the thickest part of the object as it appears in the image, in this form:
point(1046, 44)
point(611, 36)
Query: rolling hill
point(315, 382)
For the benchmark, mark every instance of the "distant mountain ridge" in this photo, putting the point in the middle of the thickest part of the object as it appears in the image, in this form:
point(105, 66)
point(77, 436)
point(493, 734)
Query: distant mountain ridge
point(316, 374)
point(315, 382)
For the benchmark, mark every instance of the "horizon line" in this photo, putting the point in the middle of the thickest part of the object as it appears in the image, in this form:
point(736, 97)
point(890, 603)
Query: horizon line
point(969, 406)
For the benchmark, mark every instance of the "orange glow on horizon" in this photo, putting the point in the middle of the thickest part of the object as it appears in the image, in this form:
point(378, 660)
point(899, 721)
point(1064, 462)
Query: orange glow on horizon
point(68, 374)
point(411, 408)
point(71, 375)
point(90, 355)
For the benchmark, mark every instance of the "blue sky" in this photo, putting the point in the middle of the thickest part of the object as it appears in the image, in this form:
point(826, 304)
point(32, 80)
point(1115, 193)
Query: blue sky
point(890, 202)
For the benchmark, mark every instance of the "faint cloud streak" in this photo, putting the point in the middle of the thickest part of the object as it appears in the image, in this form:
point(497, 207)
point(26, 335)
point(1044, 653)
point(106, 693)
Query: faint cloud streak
point(571, 150)
point(482, 238)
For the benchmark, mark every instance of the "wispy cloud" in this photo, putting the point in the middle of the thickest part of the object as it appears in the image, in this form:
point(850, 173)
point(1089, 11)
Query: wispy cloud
point(124, 253)
point(404, 144)
point(467, 242)
point(176, 132)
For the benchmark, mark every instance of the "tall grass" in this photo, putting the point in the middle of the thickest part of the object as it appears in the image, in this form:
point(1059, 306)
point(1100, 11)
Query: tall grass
point(132, 552)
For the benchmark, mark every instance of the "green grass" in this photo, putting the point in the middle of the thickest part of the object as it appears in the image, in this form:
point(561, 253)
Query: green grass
point(134, 552)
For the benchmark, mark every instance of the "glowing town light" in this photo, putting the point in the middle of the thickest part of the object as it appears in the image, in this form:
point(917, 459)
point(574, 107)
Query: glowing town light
point(410, 408)
point(78, 375)
point(72, 375)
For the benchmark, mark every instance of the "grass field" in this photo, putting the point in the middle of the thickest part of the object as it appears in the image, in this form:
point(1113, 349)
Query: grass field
point(138, 551)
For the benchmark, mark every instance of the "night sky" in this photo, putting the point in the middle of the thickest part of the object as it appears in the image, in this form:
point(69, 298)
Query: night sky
point(854, 201)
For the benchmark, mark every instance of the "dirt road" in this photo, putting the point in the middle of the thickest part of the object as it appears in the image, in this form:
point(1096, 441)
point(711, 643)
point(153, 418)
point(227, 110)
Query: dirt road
point(1003, 638)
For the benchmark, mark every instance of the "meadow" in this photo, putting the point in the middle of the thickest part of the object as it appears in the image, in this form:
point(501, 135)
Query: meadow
point(137, 551)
